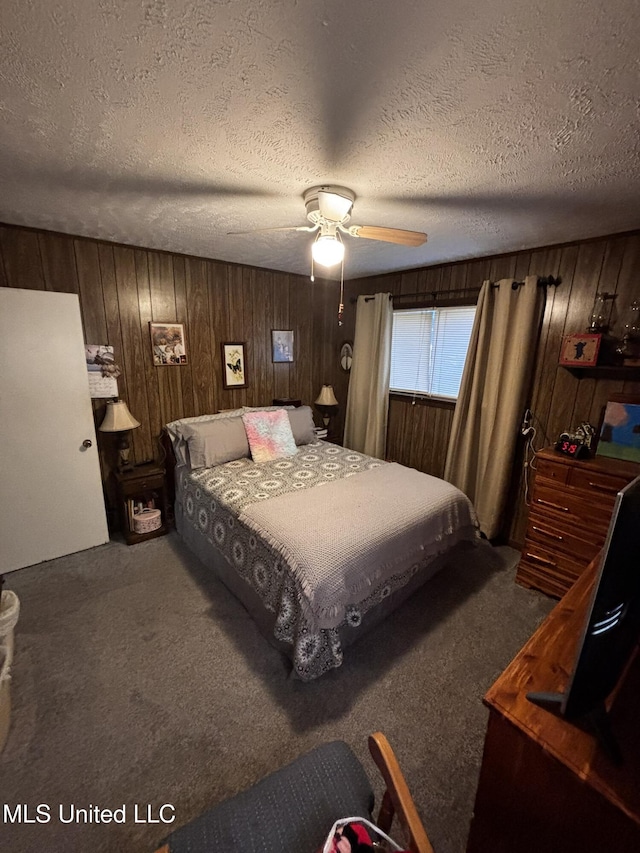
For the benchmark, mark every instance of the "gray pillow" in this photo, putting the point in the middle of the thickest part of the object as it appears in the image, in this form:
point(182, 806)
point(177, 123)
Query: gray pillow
point(302, 424)
point(176, 427)
point(176, 433)
point(216, 441)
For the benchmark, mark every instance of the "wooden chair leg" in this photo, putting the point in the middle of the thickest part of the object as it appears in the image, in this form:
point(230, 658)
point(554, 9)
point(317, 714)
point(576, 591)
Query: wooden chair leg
point(397, 798)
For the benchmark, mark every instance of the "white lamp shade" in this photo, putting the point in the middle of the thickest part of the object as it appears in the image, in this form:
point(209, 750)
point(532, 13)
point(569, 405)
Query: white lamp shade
point(118, 418)
point(326, 397)
point(327, 251)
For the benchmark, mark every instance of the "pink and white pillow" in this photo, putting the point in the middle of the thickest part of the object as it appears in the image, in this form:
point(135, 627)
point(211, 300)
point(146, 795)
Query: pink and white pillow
point(269, 435)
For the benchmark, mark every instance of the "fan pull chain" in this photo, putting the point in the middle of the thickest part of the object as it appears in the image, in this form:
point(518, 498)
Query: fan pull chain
point(313, 278)
point(341, 306)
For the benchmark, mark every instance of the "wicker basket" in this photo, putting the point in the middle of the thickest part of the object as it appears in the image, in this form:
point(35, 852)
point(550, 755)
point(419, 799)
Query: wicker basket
point(147, 521)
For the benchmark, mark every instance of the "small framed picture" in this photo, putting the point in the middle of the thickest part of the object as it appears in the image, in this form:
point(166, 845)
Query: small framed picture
point(234, 365)
point(580, 350)
point(168, 344)
point(281, 345)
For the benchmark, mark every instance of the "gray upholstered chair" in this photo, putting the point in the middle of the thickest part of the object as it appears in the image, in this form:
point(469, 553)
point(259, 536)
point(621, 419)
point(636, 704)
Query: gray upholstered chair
point(294, 808)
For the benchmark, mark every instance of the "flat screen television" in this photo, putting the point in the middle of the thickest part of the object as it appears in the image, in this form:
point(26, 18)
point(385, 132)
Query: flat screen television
point(611, 628)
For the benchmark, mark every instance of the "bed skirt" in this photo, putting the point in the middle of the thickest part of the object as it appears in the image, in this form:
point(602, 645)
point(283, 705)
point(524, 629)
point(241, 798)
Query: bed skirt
point(265, 620)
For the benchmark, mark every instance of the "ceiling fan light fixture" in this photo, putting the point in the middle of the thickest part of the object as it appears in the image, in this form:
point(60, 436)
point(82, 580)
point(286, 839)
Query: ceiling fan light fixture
point(327, 251)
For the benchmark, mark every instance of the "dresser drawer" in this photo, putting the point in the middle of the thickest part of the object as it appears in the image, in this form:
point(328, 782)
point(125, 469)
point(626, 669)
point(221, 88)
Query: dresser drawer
point(146, 484)
point(582, 545)
point(571, 508)
point(550, 470)
point(547, 570)
point(603, 487)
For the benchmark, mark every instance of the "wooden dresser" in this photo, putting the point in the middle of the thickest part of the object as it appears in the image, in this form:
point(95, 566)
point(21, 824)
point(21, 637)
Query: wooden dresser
point(571, 504)
point(545, 784)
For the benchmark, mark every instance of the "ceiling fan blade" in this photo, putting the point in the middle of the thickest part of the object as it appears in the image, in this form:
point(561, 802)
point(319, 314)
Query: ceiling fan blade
point(284, 228)
point(388, 235)
point(334, 206)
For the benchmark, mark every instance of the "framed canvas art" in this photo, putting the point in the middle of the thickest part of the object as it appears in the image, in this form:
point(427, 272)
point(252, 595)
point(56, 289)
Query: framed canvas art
point(619, 436)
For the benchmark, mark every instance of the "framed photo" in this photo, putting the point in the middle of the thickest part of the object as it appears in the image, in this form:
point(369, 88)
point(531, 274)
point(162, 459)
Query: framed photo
point(281, 345)
point(234, 365)
point(580, 350)
point(346, 356)
point(619, 436)
point(168, 344)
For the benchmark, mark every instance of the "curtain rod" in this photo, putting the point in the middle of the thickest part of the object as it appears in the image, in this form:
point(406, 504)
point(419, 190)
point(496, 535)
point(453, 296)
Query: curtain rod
point(545, 281)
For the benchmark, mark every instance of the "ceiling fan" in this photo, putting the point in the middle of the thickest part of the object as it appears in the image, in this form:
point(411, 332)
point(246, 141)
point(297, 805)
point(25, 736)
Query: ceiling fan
point(329, 211)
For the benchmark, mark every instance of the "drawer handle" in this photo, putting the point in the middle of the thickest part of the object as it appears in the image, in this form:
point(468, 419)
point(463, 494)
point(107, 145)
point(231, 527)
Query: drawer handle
point(547, 533)
point(552, 505)
point(610, 490)
point(541, 560)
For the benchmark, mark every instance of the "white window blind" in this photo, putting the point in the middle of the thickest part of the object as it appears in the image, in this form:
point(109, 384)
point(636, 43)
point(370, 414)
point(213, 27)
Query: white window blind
point(428, 350)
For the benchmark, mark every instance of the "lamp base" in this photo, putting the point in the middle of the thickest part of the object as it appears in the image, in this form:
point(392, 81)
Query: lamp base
point(124, 451)
point(327, 412)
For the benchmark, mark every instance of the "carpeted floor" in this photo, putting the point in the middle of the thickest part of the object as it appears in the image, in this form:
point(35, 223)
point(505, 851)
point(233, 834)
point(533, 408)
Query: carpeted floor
point(138, 679)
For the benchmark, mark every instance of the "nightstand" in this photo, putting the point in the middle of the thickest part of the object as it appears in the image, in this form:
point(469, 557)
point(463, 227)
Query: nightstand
point(144, 487)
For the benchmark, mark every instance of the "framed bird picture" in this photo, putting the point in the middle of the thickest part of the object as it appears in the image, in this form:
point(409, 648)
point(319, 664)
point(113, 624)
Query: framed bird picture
point(234, 365)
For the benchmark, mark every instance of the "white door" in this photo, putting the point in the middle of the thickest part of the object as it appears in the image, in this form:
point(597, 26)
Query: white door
point(51, 499)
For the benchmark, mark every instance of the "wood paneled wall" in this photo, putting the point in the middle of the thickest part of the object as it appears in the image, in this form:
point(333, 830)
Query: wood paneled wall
point(121, 289)
point(418, 434)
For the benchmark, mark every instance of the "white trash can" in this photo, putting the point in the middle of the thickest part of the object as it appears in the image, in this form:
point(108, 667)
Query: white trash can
point(9, 612)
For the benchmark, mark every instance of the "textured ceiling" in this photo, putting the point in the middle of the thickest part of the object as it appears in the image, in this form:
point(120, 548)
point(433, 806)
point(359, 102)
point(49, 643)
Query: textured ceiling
point(493, 126)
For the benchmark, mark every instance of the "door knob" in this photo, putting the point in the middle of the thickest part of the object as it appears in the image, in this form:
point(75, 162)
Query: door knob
point(86, 442)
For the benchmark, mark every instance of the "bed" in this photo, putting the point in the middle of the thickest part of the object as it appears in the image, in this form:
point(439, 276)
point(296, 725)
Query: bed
point(318, 542)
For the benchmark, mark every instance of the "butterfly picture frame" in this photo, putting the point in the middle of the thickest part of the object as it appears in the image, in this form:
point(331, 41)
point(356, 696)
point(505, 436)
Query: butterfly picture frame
point(234, 365)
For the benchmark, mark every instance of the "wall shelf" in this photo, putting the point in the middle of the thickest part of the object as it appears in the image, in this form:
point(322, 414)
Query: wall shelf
point(630, 373)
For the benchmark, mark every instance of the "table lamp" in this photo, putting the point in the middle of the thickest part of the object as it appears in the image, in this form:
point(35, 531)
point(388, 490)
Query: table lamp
point(118, 418)
point(327, 404)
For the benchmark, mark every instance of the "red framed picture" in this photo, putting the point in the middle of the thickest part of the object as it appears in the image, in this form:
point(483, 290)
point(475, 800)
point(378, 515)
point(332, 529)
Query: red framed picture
point(580, 350)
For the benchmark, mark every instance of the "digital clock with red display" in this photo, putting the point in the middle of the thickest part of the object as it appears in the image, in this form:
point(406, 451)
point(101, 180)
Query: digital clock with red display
point(572, 446)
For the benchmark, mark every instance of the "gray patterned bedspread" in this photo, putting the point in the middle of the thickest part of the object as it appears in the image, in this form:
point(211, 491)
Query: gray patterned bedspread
point(275, 538)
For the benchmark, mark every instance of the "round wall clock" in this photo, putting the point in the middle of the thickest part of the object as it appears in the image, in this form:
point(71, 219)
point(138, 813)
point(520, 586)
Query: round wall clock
point(346, 356)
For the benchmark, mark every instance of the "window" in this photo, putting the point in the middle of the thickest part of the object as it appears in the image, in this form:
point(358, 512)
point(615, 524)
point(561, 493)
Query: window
point(428, 350)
